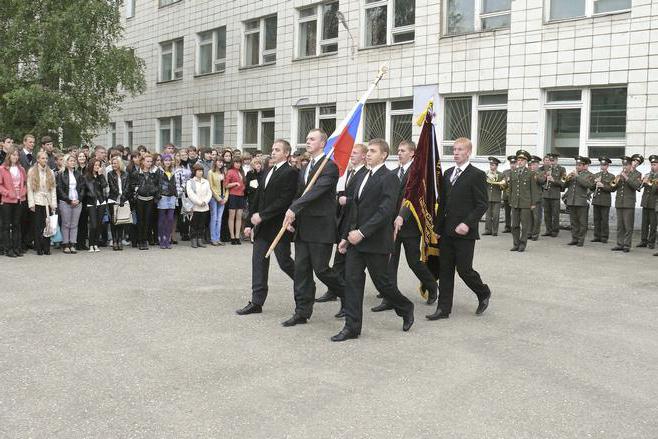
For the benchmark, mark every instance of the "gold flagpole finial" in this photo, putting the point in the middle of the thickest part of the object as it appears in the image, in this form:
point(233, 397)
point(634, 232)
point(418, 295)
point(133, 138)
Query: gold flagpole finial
point(428, 107)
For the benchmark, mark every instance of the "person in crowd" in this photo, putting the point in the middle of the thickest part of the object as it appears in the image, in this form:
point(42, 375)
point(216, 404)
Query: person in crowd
point(246, 162)
point(27, 159)
point(304, 159)
point(132, 168)
point(206, 162)
point(193, 155)
point(169, 148)
point(95, 201)
point(235, 183)
point(6, 145)
point(167, 202)
point(227, 156)
point(146, 186)
point(252, 177)
point(13, 193)
point(70, 192)
point(81, 239)
point(213, 154)
point(626, 184)
point(156, 169)
point(61, 163)
point(198, 190)
point(182, 172)
point(119, 186)
point(218, 200)
point(48, 147)
point(42, 200)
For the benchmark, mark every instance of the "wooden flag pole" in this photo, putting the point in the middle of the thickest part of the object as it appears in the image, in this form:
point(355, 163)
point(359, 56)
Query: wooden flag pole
point(382, 71)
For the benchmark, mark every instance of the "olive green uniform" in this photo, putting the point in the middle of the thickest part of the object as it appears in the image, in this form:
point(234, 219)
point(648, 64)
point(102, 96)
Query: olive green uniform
point(625, 207)
point(551, 191)
point(601, 202)
point(522, 195)
point(494, 192)
point(538, 210)
point(506, 205)
point(577, 198)
point(648, 204)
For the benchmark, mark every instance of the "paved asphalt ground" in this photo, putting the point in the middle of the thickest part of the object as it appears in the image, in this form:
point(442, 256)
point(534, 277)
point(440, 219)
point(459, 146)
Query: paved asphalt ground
point(147, 344)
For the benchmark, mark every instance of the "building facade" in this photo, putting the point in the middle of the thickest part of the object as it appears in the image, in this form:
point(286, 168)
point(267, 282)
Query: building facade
point(578, 77)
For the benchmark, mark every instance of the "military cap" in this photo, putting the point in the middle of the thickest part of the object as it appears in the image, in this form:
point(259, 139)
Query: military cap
point(494, 160)
point(553, 155)
point(625, 160)
point(638, 157)
point(511, 158)
point(653, 158)
point(583, 160)
point(535, 159)
point(523, 154)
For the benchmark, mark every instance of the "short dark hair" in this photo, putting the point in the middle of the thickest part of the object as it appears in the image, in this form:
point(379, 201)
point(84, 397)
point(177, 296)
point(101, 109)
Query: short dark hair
point(382, 144)
point(409, 144)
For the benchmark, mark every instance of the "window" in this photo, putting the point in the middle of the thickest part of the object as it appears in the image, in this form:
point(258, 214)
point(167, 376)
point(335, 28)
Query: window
point(260, 34)
point(211, 53)
point(128, 133)
point(587, 122)
point(322, 17)
point(258, 130)
point(388, 22)
point(481, 118)
point(323, 117)
point(464, 16)
point(209, 129)
point(566, 9)
point(113, 134)
point(130, 8)
point(167, 2)
point(391, 120)
point(170, 130)
point(171, 60)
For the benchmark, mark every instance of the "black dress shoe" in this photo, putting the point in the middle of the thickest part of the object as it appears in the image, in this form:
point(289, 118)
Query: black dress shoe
point(521, 248)
point(626, 250)
point(572, 243)
point(327, 297)
point(344, 334)
point(655, 254)
point(641, 245)
point(295, 320)
point(553, 235)
point(340, 314)
point(483, 305)
point(486, 233)
point(514, 249)
point(431, 298)
point(384, 306)
point(617, 248)
point(547, 234)
point(495, 234)
point(651, 246)
point(438, 314)
point(408, 321)
point(251, 308)
point(604, 241)
point(595, 240)
point(580, 244)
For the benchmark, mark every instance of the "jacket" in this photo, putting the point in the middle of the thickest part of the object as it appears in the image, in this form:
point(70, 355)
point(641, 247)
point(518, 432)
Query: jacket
point(146, 184)
point(602, 195)
point(649, 195)
point(464, 202)
point(578, 189)
point(113, 183)
point(41, 196)
point(167, 185)
point(94, 191)
point(627, 190)
point(495, 191)
point(551, 189)
point(199, 192)
point(62, 181)
point(522, 188)
point(7, 190)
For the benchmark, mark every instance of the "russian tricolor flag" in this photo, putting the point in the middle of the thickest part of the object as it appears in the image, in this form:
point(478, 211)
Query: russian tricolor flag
point(340, 143)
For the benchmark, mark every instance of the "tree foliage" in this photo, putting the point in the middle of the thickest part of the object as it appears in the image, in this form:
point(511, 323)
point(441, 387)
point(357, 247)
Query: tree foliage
point(61, 68)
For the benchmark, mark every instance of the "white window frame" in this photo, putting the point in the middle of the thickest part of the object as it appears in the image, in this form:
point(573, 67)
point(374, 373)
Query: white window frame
point(318, 117)
point(476, 107)
point(176, 72)
point(390, 22)
point(259, 135)
point(589, 12)
point(218, 64)
point(213, 120)
point(128, 133)
point(389, 114)
point(112, 135)
point(130, 8)
point(159, 123)
point(585, 107)
point(478, 18)
point(319, 42)
point(262, 53)
point(164, 3)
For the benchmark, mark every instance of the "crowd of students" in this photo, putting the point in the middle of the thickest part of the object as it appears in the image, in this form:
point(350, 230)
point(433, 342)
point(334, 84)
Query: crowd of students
point(118, 197)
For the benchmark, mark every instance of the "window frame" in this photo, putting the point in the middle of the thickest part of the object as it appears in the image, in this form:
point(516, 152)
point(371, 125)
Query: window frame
point(389, 112)
point(214, 44)
point(478, 17)
point(262, 52)
point(112, 135)
point(128, 133)
point(589, 12)
point(130, 8)
point(167, 3)
point(213, 122)
point(171, 120)
point(318, 117)
point(318, 17)
point(174, 55)
point(259, 133)
point(391, 30)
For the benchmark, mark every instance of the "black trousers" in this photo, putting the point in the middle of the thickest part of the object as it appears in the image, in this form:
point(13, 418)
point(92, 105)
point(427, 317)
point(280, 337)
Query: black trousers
point(83, 227)
point(457, 254)
point(96, 214)
point(118, 231)
point(508, 215)
point(144, 215)
point(260, 266)
point(625, 225)
point(198, 224)
point(552, 215)
point(411, 246)
point(536, 219)
point(11, 214)
point(27, 228)
point(601, 222)
point(578, 217)
point(648, 235)
point(355, 279)
point(313, 257)
point(39, 223)
point(521, 225)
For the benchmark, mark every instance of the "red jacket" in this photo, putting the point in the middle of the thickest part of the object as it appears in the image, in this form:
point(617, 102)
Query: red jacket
point(7, 192)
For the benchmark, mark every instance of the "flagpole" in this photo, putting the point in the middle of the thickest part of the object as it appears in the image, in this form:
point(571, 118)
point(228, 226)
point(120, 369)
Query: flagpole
point(382, 71)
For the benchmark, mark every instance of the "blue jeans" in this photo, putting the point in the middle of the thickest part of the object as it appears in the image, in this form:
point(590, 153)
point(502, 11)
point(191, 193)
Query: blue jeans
point(216, 212)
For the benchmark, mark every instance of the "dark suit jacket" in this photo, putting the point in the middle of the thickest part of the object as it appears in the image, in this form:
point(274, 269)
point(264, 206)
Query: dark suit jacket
point(315, 210)
point(373, 212)
point(349, 192)
point(465, 202)
point(25, 162)
point(271, 202)
point(409, 227)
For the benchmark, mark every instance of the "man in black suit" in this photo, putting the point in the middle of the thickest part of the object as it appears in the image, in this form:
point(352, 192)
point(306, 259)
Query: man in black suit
point(464, 201)
point(27, 158)
point(408, 234)
point(356, 171)
point(369, 242)
point(276, 189)
point(313, 214)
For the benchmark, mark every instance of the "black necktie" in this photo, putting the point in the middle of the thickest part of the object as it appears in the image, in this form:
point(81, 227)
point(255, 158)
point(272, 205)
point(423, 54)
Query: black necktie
point(350, 174)
point(401, 173)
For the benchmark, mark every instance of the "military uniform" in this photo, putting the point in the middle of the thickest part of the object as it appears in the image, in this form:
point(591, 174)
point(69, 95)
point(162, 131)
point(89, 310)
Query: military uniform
point(551, 191)
point(601, 202)
point(648, 204)
point(625, 207)
point(508, 209)
point(495, 184)
point(538, 211)
point(577, 199)
point(522, 194)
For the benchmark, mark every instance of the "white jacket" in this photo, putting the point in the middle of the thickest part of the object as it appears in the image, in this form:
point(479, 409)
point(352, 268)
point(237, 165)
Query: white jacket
point(198, 191)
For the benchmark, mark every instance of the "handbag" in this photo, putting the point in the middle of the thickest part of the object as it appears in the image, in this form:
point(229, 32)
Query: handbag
point(52, 223)
point(122, 214)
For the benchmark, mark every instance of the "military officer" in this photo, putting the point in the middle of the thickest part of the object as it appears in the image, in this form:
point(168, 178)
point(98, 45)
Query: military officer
point(626, 184)
point(648, 204)
point(538, 210)
point(508, 209)
point(602, 200)
point(495, 186)
point(551, 176)
point(579, 183)
point(522, 194)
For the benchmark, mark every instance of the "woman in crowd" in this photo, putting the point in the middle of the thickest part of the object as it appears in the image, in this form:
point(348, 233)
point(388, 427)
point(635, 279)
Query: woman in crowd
point(198, 190)
point(132, 168)
point(153, 231)
point(227, 156)
point(147, 191)
point(119, 184)
point(81, 239)
point(218, 200)
point(41, 199)
point(94, 200)
point(167, 202)
point(70, 192)
point(182, 172)
point(252, 178)
point(236, 200)
point(13, 193)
